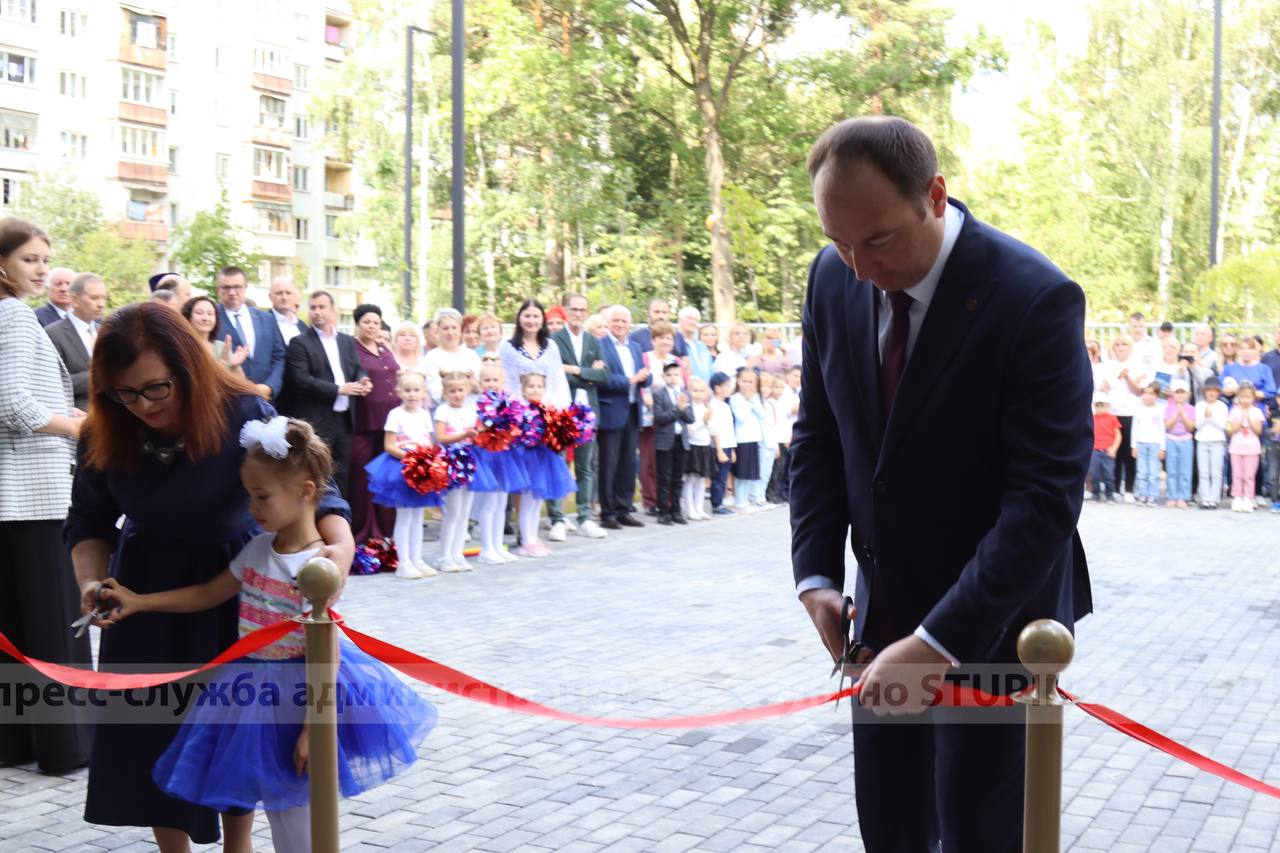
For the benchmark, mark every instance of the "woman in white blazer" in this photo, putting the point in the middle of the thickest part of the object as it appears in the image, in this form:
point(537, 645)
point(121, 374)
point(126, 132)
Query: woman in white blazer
point(38, 429)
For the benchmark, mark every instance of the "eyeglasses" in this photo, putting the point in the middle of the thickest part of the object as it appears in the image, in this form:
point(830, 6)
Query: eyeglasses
point(154, 392)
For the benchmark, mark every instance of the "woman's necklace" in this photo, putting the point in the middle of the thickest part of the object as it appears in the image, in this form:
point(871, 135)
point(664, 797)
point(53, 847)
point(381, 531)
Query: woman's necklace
point(165, 455)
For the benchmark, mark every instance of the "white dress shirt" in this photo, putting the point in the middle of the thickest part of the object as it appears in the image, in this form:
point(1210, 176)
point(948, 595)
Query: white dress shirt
point(580, 396)
point(330, 344)
point(245, 326)
point(921, 295)
point(88, 332)
point(628, 366)
point(288, 326)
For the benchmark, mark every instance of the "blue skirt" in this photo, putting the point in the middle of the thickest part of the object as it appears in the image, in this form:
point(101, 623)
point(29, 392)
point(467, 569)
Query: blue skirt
point(498, 471)
point(388, 488)
point(235, 746)
point(548, 475)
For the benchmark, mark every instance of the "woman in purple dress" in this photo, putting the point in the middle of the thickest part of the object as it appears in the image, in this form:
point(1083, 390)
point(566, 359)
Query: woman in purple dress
point(369, 520)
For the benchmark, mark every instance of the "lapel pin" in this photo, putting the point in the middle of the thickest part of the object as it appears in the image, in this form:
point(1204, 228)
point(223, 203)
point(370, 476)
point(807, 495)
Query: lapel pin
point(971, 304)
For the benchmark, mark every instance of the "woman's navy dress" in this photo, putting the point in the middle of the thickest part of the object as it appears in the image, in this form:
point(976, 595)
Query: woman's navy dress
point(184, 522)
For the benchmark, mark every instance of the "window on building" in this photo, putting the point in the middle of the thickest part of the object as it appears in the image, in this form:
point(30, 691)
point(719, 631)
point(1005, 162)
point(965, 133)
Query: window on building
point(330, 225)
point(142, 143)
point(10, 190)
point(301, 76)
point(18, 11)
point(173, 160)
point(75, 146)
point(302, 25)
point(145, 209)
point(270, 219)
point(335, 276)
point(73, 85)
point(302, 178)
point(270, 164)
point(17, 130)
point(144, 30)
point(141, 87)
point(270, 60)
point(171, 48)
point(17, 67)
point(271, 112)
point(302, 229)
point(173, 103)
point(173, 213)
point(222, 166)
point(71, 24)
point(333, 34)
point(301, 127)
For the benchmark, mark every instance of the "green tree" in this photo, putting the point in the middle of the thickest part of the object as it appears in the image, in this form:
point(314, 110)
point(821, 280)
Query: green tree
point(208, 242)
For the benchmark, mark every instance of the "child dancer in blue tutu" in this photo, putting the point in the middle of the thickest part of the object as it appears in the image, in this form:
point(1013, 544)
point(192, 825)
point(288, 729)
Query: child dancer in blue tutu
point(455, 424)
point(246, 744)
point(409, 425)
point(548, 476)
point(498, 473)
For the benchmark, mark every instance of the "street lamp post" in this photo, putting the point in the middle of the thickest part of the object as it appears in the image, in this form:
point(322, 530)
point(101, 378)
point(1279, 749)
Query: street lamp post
point(407, 275)
point(459, 37)
point(1217, 131)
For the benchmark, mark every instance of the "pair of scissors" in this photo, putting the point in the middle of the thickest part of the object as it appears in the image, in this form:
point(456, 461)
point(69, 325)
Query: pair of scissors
point(851, 648)
point(100, 611)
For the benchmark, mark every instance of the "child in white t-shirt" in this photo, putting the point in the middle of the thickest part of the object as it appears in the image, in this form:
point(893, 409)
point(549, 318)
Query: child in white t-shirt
point(455, 424)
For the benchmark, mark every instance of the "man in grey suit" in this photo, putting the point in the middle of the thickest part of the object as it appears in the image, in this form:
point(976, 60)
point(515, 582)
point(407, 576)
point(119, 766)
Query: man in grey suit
point(580, 353)
point(73, 336)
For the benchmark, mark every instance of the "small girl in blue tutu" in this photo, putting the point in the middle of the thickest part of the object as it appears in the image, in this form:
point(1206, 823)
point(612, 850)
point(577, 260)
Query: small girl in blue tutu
point(498, 473)
point(548, 475)
point(245, 742)
point(409, 425)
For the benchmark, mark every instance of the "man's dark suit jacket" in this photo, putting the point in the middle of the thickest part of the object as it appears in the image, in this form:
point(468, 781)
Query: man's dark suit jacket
point(310, 389)
point(644, 338)
point(615, 412)
point(266, 365)
point(665, 415)
point(66, 340)
point(962, 508)
point(590, 376)
point(48, 314)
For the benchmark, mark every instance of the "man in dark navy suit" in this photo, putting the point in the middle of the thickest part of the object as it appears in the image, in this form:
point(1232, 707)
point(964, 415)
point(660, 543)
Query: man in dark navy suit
point(945, 373)
point(252, 328)
point(619, 420)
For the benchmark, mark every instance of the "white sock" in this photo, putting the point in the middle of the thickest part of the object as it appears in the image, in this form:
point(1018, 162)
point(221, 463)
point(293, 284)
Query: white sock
point(492, 519)
point(291, 829)
point(404, 532)
point(468, 498)
point(699, 492)
point(530, 509)
point(415, 534)
point(453, 511)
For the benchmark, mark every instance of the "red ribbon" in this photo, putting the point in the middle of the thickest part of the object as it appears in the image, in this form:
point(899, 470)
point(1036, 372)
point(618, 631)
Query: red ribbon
point(90, 680)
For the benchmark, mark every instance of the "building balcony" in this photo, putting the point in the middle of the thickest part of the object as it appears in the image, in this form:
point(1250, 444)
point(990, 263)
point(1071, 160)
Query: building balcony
point(152, 175)
point(335, 51)
point(143, 114)
point(339, 201)
point(279, 137)
point(268, 191)
point(271, 83)
point(15, 160)
point(148, 57)
point(156, 232)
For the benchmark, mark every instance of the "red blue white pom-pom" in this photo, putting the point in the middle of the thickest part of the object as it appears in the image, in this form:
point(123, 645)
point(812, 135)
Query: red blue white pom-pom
point(383, 553)
point(461, 465)
point(586, 421)
point(497, 420)
point(562, 430)
point(533, 426)
point(366, 562)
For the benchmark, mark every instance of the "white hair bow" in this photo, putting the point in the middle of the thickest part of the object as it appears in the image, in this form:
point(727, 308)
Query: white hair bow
point(270, 434)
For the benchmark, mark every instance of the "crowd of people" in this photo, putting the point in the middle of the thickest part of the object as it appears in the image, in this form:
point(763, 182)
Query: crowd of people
point(1199, 416)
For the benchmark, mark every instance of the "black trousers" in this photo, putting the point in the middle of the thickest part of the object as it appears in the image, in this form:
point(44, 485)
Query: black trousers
point(39, 601)
point(670, 464)
point(617, 471)
point(1126, 465)
point(779, 488)
point(940, 778)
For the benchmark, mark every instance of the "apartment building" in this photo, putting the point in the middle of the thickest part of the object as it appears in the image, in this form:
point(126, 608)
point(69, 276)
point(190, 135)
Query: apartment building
point(160, 108)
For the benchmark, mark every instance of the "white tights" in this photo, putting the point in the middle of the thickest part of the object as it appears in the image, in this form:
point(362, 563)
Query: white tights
point(695, 491)
point(490, 513)
point(291, 828)
point(408, 533)
point(530, 510)
point(453, 529)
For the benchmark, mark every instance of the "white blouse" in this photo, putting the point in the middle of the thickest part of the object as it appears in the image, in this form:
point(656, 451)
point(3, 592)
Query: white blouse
point(517, 362)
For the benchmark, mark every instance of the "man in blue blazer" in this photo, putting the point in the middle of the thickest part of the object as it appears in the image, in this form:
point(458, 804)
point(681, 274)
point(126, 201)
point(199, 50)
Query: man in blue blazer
point(619, 420)
point(945, 374)
point(252, 328)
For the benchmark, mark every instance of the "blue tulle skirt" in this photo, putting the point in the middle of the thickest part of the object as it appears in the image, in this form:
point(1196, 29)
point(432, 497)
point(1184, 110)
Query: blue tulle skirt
point(498, 471)
point(547, 474)
point(388, 488)
point(236, 748)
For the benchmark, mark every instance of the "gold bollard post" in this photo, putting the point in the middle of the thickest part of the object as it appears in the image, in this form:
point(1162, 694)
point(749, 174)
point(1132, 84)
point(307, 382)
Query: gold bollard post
point(320, 581)
point(1045, 648)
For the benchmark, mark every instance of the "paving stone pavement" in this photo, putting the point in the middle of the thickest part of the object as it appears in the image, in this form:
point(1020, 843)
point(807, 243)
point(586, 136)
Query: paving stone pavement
point(704, 618)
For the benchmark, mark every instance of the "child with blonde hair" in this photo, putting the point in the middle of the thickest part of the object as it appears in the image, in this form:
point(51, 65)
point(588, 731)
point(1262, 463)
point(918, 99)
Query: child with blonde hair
point(1244, 426)
point(700, 460)
point(455, 424)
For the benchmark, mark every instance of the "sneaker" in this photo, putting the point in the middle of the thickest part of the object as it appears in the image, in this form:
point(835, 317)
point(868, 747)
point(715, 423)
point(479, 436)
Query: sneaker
point(453, 566)
point(508, 557)
point(490, 559)
point(722, 510)
point(425, 568)
point(591, 530)
point(408, 571)
point(1262, 501)
point(557, 533)
point(1129, 498)
point(1249, 506)
point(533, 551)
point(1087, 494)
point(747, 510)
point(569, 524)
point(1275, 507)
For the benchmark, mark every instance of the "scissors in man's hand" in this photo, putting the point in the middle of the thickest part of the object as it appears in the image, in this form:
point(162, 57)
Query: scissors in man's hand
point(100, 611)
point(850, 647)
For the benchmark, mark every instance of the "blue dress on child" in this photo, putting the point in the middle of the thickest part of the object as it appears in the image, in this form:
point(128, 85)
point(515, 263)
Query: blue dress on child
point(498, 471)
point(387, 485)
point(547, 474)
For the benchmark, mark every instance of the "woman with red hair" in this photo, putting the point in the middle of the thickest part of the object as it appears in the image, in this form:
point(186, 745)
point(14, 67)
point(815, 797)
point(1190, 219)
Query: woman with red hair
point(160, 447)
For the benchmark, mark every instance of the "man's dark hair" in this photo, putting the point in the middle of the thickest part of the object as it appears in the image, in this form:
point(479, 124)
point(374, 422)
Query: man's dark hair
point(1137, 315)
point(321, 293)
point(1166, 326)
point(893, 146)
point(228, 271)
point(671, 365)
point(569, 297)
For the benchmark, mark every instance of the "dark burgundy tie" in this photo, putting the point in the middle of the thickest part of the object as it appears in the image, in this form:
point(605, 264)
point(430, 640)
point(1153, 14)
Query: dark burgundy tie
point(895, 349)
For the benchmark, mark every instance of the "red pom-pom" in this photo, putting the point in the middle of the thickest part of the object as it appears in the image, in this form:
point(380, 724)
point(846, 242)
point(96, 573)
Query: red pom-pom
point(384, 551)
point(425, 470)
point(562, 429)
point(495, 438)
